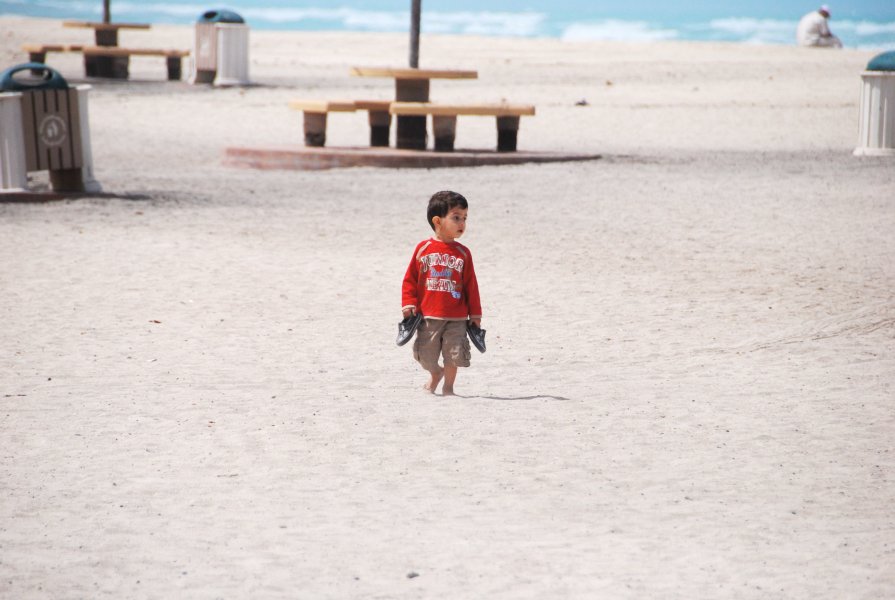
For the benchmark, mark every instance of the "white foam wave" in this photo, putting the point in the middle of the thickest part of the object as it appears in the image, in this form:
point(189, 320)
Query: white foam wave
point(119, 8)
point(864, 28)
point(773, 31)
point(343, 17)
point(484, 23)
point(169, 9)
point(747, 26)
point(481, 23)
point(525, 23)
point(613, 30)
point(753, 31)
point(66, 7)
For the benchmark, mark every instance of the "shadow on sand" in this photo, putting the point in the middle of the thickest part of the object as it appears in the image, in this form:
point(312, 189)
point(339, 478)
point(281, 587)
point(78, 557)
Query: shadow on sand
point(511, 398)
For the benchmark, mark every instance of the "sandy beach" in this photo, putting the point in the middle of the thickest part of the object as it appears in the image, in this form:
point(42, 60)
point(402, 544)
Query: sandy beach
point(689, 385)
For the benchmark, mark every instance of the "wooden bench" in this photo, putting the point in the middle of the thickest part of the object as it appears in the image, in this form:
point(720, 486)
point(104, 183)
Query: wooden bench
point(39, 53)
point(444, 120)
point(315, 112)
point(109, 61)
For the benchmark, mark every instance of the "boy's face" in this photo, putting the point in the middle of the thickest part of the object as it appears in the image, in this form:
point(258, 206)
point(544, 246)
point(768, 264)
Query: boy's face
point(451, 226)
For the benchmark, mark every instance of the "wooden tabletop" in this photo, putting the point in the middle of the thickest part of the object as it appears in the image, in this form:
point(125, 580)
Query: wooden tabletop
point(105, 26)
point(407, 73)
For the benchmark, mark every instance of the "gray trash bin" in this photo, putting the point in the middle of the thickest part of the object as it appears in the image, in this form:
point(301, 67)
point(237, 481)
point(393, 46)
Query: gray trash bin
point(54, 130)
point(221, 48)
point(877, 129)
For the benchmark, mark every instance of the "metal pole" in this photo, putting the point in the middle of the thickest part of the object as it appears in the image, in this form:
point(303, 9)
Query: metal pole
point(107, 13)
point(415, 10)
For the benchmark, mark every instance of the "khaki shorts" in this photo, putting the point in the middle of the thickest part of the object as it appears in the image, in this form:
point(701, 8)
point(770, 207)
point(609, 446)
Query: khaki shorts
point(436, 337)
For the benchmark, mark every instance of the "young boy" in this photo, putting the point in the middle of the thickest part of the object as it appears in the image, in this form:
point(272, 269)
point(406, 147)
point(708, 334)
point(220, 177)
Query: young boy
point(440, 283)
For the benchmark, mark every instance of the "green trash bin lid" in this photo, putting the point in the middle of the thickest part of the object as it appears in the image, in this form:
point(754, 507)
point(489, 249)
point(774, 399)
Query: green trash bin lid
point(41, 77)
point(220, 16)
point(882, 62)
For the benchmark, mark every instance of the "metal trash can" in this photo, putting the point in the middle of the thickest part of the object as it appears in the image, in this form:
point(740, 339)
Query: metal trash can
point(52, 133)
point(221, 52)
point(877, 132)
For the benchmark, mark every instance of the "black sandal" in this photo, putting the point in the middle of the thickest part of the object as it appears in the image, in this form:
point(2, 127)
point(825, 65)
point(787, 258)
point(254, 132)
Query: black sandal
point(476, 335)
point(407, 328)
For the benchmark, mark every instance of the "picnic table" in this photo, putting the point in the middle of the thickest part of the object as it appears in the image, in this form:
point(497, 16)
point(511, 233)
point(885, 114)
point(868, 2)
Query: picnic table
point(412, 85)
point(411, 107)
point(107, 58)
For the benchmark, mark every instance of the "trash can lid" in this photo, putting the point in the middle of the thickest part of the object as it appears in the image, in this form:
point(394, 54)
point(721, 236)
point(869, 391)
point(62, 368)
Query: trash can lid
point(46, 79)
point(220, 16)
point(882, 62)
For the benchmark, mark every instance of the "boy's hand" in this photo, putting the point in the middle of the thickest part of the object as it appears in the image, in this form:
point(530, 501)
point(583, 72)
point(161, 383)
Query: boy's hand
point(476, 322)
point(408, 311)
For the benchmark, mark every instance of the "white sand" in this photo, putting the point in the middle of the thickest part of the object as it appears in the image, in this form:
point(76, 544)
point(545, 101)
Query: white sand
point(688, 391)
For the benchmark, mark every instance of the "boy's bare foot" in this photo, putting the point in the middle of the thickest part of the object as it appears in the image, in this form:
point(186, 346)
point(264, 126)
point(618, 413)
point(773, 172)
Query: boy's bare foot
point(447, 390)
point(430, 385)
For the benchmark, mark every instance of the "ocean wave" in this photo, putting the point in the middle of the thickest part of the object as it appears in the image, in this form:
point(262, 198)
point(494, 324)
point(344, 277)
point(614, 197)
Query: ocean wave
point(863, 34)
point(753, 31)
point(118, 8)
point(355, 15)
point(524, 24)
point(169, 9)
point(864, 28)
point(613, 30)
point(471, 23)
point(61, 5)
point(339, 18)
point(746, 26)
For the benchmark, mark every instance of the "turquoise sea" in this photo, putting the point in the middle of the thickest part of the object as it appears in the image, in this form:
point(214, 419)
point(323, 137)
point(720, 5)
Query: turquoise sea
point(866, 24)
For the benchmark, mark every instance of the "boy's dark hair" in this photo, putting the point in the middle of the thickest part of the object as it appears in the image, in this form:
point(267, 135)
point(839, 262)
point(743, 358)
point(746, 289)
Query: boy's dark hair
point(441, 203)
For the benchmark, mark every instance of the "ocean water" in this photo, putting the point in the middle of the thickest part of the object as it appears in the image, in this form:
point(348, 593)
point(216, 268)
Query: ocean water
point(866, 24)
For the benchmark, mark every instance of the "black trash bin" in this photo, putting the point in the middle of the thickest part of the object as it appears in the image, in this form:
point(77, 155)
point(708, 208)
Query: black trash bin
point(220, 16)
point(50, 123)
point(882, 62)
point(42, 78)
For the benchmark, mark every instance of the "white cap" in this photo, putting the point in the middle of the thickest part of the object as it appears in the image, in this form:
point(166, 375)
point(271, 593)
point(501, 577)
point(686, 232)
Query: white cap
point(824, 8)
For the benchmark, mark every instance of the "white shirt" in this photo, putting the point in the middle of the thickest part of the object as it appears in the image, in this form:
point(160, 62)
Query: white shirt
point(812, 27)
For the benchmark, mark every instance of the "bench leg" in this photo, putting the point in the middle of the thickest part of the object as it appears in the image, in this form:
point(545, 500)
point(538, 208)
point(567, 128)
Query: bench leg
point(444, 128)
point(315, 129)
point(174, 68)
point(38, 57)
point(411, 131)
point(119, 67)
point(380, 124)
point(90, 66)
point(507, 132)
point(110, 67)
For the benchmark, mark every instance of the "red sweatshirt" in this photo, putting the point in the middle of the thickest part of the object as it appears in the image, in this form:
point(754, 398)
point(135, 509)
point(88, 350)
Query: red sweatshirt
point(440, 282)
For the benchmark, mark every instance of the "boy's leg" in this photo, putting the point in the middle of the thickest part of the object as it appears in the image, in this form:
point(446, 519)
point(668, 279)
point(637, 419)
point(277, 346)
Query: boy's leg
point(456, 352)
point(426, 350)
point(450, 374)
point(434, 380)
